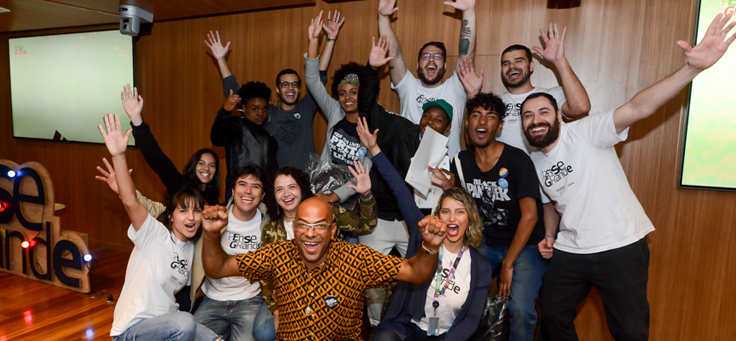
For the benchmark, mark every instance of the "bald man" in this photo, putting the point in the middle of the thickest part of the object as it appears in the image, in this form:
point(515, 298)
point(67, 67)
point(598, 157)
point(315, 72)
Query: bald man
point(320, 280)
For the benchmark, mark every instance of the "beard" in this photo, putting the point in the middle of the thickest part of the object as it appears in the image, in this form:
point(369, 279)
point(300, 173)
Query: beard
point(437, 78)
point(524, 78)
point(553, 131)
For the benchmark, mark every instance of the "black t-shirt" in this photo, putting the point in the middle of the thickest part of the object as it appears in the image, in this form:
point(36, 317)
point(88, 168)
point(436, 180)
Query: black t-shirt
point(344, 143)
point(497, 193)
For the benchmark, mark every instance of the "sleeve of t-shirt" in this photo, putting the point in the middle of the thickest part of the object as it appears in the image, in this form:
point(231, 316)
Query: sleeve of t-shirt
point(527, 178)
point(599, 130)
point(406, 87)
point(257, 265)
point(378, 269)
point(230, 83)
point(152, 232)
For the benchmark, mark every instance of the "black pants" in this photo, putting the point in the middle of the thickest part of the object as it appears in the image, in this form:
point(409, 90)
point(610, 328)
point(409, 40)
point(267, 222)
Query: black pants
point(620, 276)
point(413, 333)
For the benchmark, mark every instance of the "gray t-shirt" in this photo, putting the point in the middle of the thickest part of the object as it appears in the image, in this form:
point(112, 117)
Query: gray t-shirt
point(292, 129)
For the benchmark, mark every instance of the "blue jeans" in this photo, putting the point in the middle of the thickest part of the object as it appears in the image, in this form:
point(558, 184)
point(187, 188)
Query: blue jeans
point(529, 271)
point(231, 319)
point(170, 326)
point(263, 325)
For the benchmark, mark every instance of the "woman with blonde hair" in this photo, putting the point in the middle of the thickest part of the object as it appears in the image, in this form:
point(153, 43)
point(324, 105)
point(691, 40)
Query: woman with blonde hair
point(449, 305)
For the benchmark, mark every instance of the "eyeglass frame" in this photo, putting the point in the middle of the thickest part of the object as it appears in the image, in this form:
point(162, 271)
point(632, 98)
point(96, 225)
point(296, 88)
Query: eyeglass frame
point(432, 56)
point(315, 227)
point(287, 84)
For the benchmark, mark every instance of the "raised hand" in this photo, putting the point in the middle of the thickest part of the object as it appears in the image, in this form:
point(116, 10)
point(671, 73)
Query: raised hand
point(713, 45)
point(215, 45)
point(115, 141)
point(554, 44)
point(108, 176)
point(315, 27)
point(365, 136)
point(362, 180)
point(433, 231)
point(333, 25)
point(133, 104)
point(462, 5)
point(387, 7)
point(472, 82)
point(214, 218)
point(231, 102)
point(378, 57)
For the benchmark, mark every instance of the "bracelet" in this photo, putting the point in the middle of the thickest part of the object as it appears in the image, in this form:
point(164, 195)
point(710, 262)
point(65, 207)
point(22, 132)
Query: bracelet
point(329, 39)
point(549, 235)
point(367, 196)
point(429, 251)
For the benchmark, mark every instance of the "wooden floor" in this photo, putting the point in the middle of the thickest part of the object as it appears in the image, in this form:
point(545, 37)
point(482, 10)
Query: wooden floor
point(32, 310)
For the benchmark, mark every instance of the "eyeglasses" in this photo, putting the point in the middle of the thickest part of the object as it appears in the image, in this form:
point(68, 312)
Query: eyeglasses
point(319, 227)
point(286, 84)
point(435, 56)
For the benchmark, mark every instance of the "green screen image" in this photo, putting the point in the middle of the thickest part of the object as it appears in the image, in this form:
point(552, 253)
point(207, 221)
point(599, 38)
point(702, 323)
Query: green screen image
point(709, 157)
point(62, 85)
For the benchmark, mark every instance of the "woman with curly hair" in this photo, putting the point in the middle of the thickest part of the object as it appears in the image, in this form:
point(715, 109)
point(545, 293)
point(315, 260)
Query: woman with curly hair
point(449, 305)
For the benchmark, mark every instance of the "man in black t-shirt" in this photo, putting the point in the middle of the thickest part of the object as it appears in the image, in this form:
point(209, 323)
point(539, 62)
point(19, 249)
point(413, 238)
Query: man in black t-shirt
point(503, 182)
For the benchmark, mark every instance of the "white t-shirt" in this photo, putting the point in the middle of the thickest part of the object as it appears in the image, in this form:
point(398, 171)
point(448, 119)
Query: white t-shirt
point(158, 268)
point(512, 133)
point(455, 295)
point(584, 176)
point(239, 237)
point(289, 227)
point(413, 95)
point(430, 201)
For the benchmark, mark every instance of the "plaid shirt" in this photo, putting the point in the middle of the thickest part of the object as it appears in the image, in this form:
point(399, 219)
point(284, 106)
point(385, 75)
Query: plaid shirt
point(325, 303)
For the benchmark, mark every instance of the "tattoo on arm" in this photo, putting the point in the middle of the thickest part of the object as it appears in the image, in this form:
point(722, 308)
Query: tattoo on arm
point(465, 33)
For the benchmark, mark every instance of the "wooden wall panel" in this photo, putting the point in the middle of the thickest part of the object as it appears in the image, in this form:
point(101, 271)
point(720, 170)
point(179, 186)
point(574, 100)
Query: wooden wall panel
point(617, 48)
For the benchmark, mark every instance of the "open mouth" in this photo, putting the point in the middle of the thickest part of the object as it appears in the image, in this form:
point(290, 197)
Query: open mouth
point(190, 227)
point(481, 133)
point(247, 201)
point(453, 230)
point(311, 246)
point(288, 201)
point(539, 130)
point(431, 70)
point(513, 75)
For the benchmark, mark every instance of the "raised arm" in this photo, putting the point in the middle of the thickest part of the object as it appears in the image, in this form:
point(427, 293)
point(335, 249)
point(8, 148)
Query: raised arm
point(152, 153)
point(217, 264)
point(332, 29)
point(224, 129)
point(397, 65)
point(577, 102)
point(467, 30)
point(418, 268)
point(116, 143)
point(367, 100)
point(219, 52)
point(710, 49)
point(472, 82)
point(362, 221)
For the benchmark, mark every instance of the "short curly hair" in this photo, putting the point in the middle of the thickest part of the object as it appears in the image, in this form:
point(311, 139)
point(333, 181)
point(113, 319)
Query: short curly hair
point(302, 180)
point(474, 233)
point(344, 70)
point(254, 90)
point(488, 101)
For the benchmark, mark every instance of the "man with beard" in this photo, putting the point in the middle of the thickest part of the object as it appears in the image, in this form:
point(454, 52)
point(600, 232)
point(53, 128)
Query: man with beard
point(432, 62)
point(290, 122)
point(501, 180)
point(602, 239)
point(517, 67)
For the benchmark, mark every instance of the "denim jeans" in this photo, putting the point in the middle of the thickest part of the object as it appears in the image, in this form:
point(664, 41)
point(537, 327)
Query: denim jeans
point(263, 325)
point(529, 270)
point(170, 326)
point(231, 319)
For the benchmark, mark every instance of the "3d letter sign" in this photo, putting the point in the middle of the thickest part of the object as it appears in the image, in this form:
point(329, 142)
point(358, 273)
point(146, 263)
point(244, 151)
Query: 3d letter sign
point(31, 241)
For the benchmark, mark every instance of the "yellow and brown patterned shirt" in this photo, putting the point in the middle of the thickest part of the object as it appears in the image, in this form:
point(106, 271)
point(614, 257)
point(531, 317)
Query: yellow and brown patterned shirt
point(325, 303)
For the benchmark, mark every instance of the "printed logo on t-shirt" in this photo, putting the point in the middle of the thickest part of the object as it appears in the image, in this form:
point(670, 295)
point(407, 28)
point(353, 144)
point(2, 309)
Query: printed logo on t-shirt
point(344, 149)
point(297, 115)
point(421, 99)
point(242, 242)
point(331, 301)
point(452, 287)
point(513, 109)
point(555, 173)
point(490, 192)
point(180, 265)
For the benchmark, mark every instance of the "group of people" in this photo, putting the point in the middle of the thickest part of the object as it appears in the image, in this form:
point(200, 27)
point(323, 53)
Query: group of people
point(540, 203)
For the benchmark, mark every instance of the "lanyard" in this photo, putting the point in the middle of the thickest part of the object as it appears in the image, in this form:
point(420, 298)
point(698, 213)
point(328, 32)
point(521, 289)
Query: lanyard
point(440, 286)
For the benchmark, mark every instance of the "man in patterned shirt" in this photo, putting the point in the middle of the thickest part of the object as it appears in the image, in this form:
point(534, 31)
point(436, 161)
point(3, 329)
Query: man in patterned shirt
point(320, 281)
